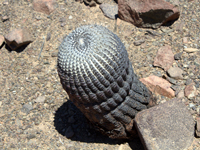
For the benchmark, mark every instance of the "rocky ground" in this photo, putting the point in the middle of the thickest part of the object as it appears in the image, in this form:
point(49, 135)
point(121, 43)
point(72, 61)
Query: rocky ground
point(35, 112)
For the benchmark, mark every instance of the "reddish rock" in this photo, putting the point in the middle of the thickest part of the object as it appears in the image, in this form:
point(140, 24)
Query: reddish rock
point(168, 126)
point(164, 57)
point(147, 14)
point(1, 40)
point(190, 91)
point(44, 6)
point(158, 86)
point(17, 38)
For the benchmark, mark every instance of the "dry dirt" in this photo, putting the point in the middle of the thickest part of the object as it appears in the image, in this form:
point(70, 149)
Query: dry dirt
point(56, 123)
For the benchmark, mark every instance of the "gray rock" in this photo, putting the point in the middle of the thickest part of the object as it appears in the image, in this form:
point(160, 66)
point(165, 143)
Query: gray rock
point(109, 10)
point(138, 42)
point(27, 108)
point(178, 56)
point(168, 126)
point(175, 72)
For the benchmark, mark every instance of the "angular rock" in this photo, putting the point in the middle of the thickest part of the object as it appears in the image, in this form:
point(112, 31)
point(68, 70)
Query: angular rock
point(1, 40)
point(158, 86)
point(190, 91)
point(175, 72)
point(164, 57)
point(109, 10)
point(168, 126)
point(147, 14)
point(44, 6)
point(17, 38)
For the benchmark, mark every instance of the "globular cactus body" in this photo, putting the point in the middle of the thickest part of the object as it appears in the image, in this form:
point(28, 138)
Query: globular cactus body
point(95, 71)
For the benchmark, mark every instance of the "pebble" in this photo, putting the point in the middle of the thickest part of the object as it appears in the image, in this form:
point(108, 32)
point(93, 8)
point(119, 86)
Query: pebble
point(54, 54)
point(109, 10)
point(178, 56)
point(190, 50)
point(48, 36)
point(40, 99)
point(185, 40)
point(180, 94)
point(139, 42)
point(175, 72)
point(5, 18)
point(188, 81)
point(70, 17)
point(190, 91)
point(27, 108)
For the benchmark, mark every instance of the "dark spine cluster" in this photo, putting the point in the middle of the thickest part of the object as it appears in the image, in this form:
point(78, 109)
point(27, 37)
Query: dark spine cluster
point(96, 73)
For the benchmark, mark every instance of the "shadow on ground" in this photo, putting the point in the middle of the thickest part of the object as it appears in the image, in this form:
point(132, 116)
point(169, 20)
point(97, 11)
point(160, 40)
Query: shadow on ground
point(71, 123)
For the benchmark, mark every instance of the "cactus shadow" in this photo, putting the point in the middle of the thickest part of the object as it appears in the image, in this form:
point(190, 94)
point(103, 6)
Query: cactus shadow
point(71, 123)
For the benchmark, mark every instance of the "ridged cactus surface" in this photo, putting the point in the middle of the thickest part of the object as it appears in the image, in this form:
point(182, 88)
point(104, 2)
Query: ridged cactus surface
point(95, 71)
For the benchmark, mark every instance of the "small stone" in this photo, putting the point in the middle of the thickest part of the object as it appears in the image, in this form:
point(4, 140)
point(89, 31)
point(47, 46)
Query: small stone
point(190, 91)
point(69, 132)
point(185, 40)
point(40, 99)
point(1, 40)
point(5, 18)
point(54, 54)
point(178, 56)
point(31, 136)
point(27, 108)
point(44, 6)
point(48, 36)
point(158, 85)
point(139, 42)
point(17, 38)
point(188, 81)
point(164, 57)
point(180, 94)
point(70, 17)
point(109, 10)
point(168, 126)
point(191, 105)
point(175, 72)
point(190, 50)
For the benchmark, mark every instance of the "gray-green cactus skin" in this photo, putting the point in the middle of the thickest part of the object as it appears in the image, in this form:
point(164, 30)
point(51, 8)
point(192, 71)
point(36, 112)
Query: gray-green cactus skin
point(95, 71)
